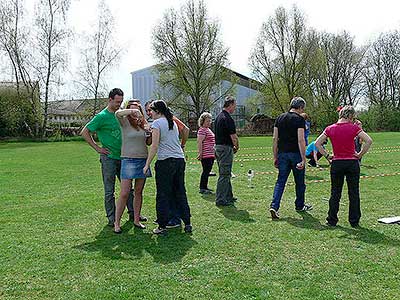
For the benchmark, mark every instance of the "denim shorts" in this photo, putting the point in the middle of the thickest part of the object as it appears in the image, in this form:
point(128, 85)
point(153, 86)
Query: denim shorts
point(132, 168)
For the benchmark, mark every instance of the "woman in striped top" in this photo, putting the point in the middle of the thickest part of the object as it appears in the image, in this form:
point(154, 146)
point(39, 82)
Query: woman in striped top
point(205, 146)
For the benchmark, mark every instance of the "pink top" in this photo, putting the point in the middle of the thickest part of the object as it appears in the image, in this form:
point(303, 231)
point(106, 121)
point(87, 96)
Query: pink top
point(208, 142)
point(342, 138)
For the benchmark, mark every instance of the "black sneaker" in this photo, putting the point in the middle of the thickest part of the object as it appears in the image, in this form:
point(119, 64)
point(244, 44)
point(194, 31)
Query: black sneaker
point(188, 228)
point(330, 224)
point(212, 174)
point(205, 191)
point(306, 207)
point(159, 230)
point(274, 213)
point(173, 225)
point(355, 225)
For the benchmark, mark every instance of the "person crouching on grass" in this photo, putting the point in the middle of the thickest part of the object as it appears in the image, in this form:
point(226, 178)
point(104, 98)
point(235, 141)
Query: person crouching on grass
point(344, 163)
point(169, 168)
point(134, 154)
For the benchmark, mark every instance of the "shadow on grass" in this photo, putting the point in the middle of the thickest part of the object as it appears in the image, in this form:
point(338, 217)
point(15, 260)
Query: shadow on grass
point(363, 234)
point(208, 197)
point(307, 221)
point(313, 177)
point(369, 236)
point(164, 249)
point(234, 214)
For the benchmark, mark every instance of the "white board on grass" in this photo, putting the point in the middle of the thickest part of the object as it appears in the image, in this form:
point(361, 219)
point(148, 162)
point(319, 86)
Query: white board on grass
point(389, 220)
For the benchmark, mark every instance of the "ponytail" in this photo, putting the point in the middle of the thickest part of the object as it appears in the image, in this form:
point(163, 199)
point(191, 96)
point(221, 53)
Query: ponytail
point(168, 115)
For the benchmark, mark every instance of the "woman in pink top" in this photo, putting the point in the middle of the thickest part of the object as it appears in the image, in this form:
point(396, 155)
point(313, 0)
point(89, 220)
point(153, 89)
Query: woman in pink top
point(344, 163)
point(205, 146)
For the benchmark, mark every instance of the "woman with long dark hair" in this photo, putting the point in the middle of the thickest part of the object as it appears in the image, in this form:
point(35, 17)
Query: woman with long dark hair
point(344, 163)
point(169, 168)
point(135, 139)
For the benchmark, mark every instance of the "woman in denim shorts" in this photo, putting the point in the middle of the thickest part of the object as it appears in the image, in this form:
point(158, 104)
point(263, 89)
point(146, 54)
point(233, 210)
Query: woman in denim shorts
point(135, 138)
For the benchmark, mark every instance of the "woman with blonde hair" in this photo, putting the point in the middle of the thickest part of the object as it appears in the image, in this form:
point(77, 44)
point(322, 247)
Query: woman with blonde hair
point(135, 139)
point(205, 148)
point(344, 163)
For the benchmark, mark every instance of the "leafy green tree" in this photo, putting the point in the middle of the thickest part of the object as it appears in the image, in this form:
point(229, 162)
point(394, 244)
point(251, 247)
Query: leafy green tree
point(191, 58)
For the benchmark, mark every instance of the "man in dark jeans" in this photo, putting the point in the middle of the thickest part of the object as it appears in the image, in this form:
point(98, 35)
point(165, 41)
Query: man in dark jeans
point(226, 144)
point(289, 155)
point(108, 131)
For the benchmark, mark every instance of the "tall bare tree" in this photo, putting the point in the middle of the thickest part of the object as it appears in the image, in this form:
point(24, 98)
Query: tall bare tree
point(334, 74)
point(100, 54)
point(281, 55)
point(191, 58)
point(52, 35)
point(382, 74)
point(14, 39)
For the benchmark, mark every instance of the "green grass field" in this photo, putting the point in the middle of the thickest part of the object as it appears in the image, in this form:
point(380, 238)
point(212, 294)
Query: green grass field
point(54, 243)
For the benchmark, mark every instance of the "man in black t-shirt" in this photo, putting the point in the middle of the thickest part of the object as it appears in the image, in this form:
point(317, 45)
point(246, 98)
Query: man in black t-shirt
point(289, 155)
point(226, 144)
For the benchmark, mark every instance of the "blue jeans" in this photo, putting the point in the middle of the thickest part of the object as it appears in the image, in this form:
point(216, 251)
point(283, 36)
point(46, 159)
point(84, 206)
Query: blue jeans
point(286, 163)
point(110, 169)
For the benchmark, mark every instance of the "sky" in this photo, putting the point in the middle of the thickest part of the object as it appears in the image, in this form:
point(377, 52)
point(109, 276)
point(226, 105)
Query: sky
point(240, 23)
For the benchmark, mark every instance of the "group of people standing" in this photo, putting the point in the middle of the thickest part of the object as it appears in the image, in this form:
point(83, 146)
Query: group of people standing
point(124, 134)
point(130, 142)
point(290, 156)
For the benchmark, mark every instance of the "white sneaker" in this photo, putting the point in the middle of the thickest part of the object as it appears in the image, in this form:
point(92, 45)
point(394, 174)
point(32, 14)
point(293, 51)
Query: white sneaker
point(274, 213)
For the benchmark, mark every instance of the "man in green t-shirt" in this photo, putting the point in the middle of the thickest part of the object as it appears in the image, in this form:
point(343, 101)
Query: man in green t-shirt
point(108, 131)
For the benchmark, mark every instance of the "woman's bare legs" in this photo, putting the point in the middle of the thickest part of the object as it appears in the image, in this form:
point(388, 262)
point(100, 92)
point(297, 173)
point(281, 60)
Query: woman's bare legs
point(137, 200)
point(126, 185)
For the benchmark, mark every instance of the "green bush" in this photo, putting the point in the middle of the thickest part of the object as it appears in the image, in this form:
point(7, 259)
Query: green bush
point(17, 117)
point(376, 119)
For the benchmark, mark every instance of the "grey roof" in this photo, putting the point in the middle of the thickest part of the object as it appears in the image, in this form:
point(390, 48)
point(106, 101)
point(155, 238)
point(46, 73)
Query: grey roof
point(71, 107)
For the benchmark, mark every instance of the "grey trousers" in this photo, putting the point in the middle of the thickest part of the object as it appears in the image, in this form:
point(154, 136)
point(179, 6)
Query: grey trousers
point(110, 169)
point(224, 155)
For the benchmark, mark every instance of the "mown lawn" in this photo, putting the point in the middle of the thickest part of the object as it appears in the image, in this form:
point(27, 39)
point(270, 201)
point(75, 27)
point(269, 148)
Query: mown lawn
point(54, 243)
